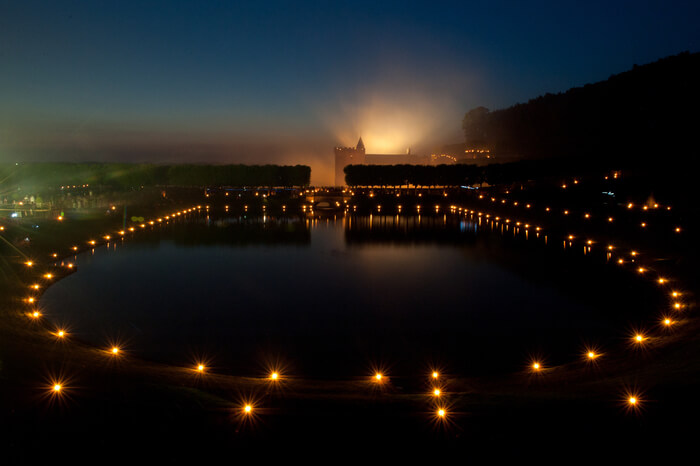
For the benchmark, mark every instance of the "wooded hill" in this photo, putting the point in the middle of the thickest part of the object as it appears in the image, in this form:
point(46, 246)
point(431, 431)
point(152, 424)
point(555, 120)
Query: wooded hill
point(644, 116)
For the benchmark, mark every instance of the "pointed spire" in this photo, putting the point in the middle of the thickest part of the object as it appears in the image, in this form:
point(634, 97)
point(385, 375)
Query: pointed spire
point(360, 145)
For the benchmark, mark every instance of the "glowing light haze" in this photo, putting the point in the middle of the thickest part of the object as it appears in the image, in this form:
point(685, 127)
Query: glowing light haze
point(284, 82)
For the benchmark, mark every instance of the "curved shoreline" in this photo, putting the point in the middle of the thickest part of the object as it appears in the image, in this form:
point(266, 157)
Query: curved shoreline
point(212, 391)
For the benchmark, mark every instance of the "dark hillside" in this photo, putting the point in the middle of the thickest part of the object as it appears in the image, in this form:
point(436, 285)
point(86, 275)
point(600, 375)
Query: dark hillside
point(640, 118)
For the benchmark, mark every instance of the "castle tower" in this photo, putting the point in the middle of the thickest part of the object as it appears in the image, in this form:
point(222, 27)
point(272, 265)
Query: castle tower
point(345, 156)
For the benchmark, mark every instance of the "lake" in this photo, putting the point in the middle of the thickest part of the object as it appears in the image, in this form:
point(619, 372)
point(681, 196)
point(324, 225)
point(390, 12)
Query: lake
point(341, 296)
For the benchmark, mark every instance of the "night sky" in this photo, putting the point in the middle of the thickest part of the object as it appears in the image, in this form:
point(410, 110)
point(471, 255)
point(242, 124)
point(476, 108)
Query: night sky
point(283, 82)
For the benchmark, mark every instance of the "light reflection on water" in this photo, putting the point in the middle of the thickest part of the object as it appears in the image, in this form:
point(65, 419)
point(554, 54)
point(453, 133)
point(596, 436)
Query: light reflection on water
point(329, 297)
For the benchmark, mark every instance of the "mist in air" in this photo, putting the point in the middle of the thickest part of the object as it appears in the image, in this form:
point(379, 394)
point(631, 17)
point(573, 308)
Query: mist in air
point(282, 83)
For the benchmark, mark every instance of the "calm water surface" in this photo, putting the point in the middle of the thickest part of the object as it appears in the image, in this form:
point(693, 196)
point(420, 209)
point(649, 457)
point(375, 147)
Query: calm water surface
point(330, 297)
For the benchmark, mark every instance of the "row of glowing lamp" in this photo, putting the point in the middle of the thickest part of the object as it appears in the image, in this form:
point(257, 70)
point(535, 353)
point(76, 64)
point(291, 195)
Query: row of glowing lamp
point(441, 412)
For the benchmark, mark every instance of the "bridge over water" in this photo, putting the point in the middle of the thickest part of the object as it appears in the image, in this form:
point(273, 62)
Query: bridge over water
point(328, 199)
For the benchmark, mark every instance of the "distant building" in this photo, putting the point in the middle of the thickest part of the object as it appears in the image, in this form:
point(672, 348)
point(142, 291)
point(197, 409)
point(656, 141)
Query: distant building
point(461, 153)
point(345, 156)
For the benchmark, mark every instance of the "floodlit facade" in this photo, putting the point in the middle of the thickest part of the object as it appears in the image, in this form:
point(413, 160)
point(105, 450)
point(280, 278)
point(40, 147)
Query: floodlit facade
point(345, 156)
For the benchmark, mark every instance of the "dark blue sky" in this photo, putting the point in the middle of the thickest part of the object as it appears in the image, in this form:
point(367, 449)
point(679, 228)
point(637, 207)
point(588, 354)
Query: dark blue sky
point(284, 82)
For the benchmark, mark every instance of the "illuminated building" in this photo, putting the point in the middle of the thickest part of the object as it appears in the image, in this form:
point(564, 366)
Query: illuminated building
point(345, 156)
point(461, 153)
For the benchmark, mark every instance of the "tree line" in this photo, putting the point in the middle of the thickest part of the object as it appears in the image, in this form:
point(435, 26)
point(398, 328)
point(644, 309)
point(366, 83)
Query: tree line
point(125, 176)
point(468, 174)
point(634, 118)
